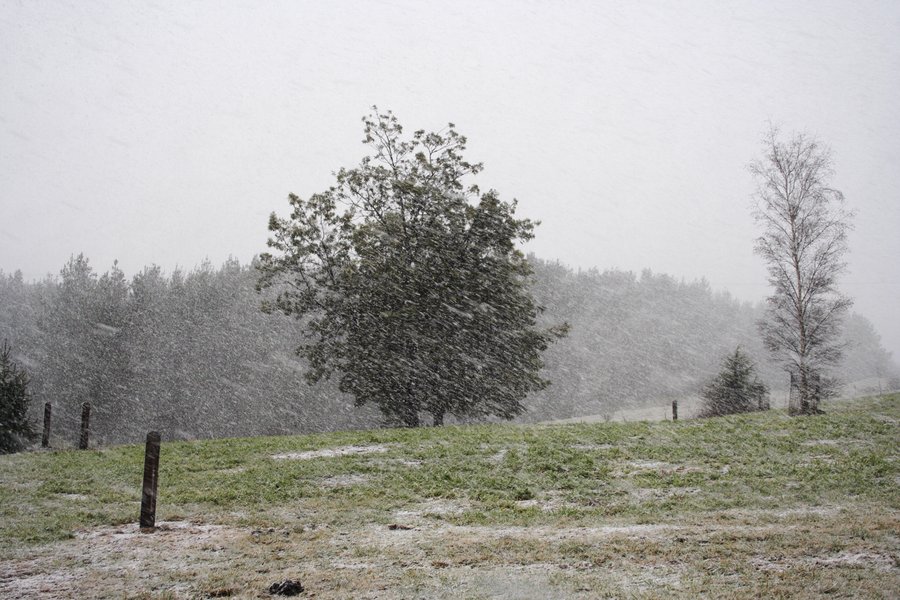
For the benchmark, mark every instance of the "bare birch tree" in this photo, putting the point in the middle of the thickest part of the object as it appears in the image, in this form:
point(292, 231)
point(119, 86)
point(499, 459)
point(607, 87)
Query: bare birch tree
point(804, 240)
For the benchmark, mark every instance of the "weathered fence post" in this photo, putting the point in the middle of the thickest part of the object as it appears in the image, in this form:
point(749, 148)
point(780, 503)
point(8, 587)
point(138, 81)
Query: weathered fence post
point(85, 425)
point(45, 439)
point(674, 410)
point(151, 477)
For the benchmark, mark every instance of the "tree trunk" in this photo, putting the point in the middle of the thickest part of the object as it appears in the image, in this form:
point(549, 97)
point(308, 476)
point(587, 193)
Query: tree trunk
point(410, 416)
point(803, 390)
point(411, 419)
point(411, 408)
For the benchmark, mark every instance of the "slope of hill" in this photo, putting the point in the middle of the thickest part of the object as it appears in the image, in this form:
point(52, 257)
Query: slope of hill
point(759, 505)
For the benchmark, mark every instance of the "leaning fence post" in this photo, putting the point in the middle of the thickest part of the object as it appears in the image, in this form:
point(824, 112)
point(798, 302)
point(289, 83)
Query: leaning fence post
point(45, 439)
point(85, 425)
point(151, 477)
point(674, 410)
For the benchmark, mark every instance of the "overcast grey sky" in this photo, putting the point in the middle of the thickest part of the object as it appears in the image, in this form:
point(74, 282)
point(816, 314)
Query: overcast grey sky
point(166, 132)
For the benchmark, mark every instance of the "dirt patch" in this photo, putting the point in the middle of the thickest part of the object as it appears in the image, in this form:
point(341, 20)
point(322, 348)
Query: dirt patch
point(817, 459)
point(546, 504)
point(880, 562)
point(332, 452)
point(419, 513)
point(423, 558)
point(548, 501)
point(520, 582)
point(343, 480)
point(500, 455)
point(650, 466)
point(233, 470)
point(165, 530)
point(654, 494)
point(862, 560)
point(593, 447)
point(111, 562)
point(74, 497)
point(803, 512)
point(415, 539)
point(823, 443)
point(410, 463)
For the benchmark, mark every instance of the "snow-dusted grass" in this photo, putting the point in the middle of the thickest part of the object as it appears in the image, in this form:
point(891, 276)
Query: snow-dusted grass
point(758, 505)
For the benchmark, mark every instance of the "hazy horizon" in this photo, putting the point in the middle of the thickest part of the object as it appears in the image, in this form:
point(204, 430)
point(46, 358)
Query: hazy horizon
point(167, 133)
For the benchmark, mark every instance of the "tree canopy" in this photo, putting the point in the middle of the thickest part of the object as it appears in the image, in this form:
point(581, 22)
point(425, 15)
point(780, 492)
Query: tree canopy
point(410, 283)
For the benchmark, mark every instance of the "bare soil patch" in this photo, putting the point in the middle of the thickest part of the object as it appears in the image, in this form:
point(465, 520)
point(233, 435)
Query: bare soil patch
point(647, 466)
point(863, 560)
point(111, 562)
point(332, 452)
point(425, 558)
point(343, 480)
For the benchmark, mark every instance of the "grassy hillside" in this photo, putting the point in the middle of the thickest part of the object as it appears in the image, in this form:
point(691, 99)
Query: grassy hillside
point(746, 506)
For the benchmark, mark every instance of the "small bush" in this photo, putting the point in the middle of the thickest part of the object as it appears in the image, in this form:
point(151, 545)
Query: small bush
point(736, 389)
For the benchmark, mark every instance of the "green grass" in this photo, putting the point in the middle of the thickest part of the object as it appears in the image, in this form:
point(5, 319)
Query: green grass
point(749, 469)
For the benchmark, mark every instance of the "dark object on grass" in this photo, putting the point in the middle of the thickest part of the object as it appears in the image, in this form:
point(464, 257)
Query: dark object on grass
point(288, 587)
point(397, 526)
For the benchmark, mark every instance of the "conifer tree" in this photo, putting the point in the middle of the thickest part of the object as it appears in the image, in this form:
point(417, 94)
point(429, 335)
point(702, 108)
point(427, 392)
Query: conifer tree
point(736, 389)
point(15, 429)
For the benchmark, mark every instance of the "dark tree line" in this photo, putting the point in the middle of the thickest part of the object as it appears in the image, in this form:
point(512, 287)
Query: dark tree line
point(190, 353)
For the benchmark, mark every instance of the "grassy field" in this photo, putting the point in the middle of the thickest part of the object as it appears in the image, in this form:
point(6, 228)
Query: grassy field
point(751, 506)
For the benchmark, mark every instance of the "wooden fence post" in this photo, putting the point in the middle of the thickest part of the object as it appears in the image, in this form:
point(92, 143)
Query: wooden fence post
point(674, 410)
point(85, 425)
point(151, 478)
point(45, 439)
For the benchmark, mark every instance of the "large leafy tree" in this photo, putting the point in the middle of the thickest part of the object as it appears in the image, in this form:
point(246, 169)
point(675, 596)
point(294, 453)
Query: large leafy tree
point(15, 429)
point(409, 282)
point(804, 241)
